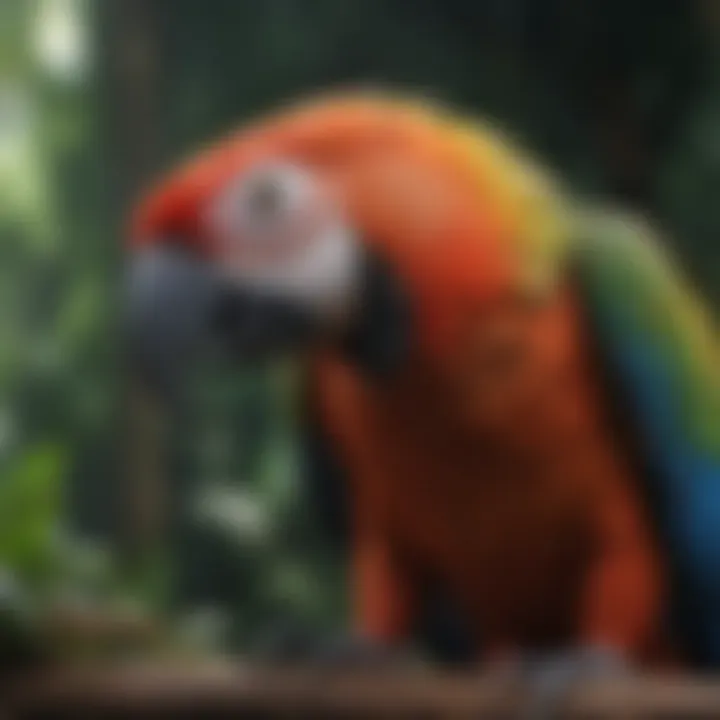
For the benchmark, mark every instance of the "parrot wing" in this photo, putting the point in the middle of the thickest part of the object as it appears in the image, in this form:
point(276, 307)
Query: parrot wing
point(660, 349)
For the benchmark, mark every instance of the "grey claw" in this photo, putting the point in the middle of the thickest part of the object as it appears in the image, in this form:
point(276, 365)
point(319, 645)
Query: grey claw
point(552, 678)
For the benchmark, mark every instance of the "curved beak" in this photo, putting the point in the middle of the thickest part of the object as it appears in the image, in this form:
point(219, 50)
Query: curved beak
point(169, 296)
point(178, 307)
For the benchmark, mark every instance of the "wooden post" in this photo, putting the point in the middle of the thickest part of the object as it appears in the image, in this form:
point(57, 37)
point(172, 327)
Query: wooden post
point(226, 690)
point(131, 51)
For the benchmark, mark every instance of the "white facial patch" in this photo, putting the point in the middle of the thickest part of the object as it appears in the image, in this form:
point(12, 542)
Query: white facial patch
point(283, 235)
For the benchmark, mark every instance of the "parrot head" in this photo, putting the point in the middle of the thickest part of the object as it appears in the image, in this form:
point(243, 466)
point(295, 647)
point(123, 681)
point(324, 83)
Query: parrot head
point(356, 220)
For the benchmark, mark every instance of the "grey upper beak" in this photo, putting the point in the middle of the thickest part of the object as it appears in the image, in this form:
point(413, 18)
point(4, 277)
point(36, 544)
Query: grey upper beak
point(169, 300)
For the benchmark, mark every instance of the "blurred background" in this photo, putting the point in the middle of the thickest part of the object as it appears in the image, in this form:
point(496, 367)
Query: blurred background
point(203, 526)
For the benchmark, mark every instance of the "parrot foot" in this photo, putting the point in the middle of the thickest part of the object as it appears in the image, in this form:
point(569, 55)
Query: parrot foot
point(552, 677)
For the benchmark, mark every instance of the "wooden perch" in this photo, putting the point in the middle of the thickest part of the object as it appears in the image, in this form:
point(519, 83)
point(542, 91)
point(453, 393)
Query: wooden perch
point(238, 691)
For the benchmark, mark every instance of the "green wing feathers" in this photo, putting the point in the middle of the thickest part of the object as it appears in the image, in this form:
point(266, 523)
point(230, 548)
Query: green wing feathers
point(647, 308)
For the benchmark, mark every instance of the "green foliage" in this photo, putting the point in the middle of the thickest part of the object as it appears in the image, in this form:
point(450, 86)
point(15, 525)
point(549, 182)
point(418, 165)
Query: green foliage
point(30, 510)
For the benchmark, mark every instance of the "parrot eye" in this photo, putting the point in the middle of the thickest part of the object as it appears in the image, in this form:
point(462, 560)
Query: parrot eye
point(272, 195)
point(268, 210)
point(266, 199)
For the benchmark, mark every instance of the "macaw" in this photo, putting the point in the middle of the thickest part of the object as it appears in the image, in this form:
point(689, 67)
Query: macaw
point(520, 388)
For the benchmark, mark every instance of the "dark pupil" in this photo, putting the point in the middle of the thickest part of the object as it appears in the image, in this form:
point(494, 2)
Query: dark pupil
point(265, 200)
